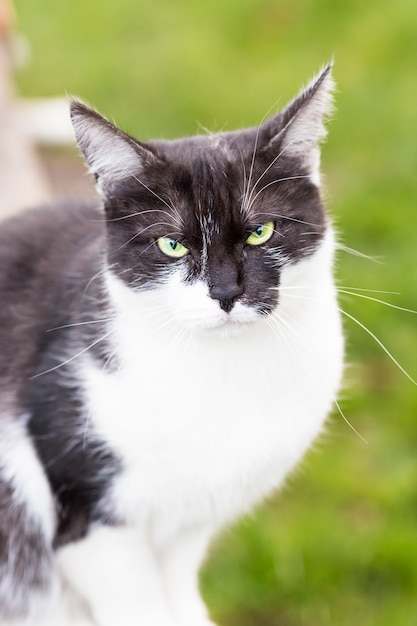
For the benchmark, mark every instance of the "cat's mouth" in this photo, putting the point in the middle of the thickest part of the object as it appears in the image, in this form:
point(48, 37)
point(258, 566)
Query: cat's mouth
point(234, 323)
point(229, 328)
point(195, 310)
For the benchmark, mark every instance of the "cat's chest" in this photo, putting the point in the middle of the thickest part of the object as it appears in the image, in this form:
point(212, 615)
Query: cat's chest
point(206, 429)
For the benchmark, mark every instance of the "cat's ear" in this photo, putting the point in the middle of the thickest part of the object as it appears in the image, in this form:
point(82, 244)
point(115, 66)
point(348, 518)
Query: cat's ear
point(300, 127)
point(111, 155)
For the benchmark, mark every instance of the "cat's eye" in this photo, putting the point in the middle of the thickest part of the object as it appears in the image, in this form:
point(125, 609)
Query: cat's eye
point(172, 247)
point(261, 234)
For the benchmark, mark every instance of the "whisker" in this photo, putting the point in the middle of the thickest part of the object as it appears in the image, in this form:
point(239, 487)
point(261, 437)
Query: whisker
point(379, 342)
point(281, 320)
point(153, 243)
point(392, 306)
point(273, 182)
point(102, 271)
point(279, 329)
point(169, 205)
point(392, 293)
point(75, 356)
point(247, 196)
point(291, 219)
point(351, 426)
point(244, 179)
point(141, 233)
point(359, 254)
point(289, 328)
point(314, 358)
point(86, 323)
point(278, 156)
point(139, 213)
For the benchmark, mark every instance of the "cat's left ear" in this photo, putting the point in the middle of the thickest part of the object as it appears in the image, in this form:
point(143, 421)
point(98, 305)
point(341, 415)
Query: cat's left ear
point(111, 154)
point(300, 128)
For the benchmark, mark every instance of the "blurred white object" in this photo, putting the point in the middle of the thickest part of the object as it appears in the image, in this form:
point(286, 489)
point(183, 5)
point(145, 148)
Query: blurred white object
point(23, 182)
point(46, 121)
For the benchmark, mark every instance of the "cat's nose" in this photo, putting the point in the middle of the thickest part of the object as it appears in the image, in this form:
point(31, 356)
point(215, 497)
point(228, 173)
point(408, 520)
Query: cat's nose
point(226, 295)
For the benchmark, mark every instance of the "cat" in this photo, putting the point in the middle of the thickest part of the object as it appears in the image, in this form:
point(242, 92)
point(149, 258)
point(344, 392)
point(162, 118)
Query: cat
point(166, 360)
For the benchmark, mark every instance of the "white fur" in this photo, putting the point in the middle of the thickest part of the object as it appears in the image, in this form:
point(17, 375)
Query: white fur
point(207, 421)
point(21, 468)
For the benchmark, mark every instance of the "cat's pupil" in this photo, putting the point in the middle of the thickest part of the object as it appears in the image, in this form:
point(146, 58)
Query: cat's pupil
point(259, 230)
point(173, 244)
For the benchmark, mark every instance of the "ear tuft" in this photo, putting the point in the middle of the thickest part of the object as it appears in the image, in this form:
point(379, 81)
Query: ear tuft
point(110, 154)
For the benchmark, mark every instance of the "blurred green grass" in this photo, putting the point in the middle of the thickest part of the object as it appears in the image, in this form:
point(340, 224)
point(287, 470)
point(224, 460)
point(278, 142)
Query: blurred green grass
point(339, 545)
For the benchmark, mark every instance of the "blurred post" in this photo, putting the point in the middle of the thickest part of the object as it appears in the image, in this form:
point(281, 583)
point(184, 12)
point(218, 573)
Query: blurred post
point(22, 181)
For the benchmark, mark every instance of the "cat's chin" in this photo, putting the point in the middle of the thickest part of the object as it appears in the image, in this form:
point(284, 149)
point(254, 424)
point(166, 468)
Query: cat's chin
point(229, 328)
point(233, 324)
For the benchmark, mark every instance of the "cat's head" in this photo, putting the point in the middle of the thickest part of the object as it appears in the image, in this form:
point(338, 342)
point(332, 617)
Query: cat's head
point(217, 218)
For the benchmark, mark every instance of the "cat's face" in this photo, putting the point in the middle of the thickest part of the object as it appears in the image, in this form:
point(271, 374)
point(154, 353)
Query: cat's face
point(211, 222)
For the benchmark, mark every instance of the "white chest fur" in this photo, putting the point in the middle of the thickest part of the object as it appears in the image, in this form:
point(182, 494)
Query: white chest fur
point(207, 425)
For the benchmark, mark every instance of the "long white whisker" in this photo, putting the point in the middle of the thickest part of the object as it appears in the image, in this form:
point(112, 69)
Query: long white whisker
point(291, 219)
point(247, 196)
point(368, 331)
point(279, 328)
point(102, 271)
point(139, 213)
point(361, 255)
point(273, 182)
point(379, 342)
point(347, 421)
point(249, 203)
point(134, 315)
point(287, 325)
point(141, 233)
point(391, 293)
point(244, 179)
point(169, 205)
point(392, 306)
point(86, 323)
point(75, 356)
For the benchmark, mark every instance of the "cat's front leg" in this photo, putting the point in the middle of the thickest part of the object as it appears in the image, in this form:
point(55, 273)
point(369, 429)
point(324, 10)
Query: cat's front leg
point(180, 560)
point(114, 569)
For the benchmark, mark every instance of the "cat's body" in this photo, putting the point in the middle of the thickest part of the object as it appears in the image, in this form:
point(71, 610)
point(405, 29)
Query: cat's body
point(164, 364)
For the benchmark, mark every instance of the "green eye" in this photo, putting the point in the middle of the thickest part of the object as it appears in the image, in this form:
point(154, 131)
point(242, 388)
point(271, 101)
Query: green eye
point(261, 234)
point(172, 247)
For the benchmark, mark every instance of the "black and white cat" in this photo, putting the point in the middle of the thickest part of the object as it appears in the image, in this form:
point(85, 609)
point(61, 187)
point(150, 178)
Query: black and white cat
point(166, 359)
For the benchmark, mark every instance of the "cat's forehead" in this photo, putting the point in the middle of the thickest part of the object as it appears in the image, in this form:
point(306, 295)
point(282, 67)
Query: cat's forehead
point(213, 175)
point(213, 165)
point(212, 148)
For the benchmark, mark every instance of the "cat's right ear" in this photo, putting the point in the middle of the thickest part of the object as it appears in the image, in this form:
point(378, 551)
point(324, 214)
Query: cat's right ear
point(111, 155)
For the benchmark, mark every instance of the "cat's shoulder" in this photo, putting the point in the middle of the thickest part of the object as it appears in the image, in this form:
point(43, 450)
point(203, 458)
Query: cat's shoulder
point(56, 225)
point(47, 242)
point(42, 220)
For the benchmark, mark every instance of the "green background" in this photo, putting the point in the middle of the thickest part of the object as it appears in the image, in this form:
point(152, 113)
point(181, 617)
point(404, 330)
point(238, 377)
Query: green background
point(338, 546)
